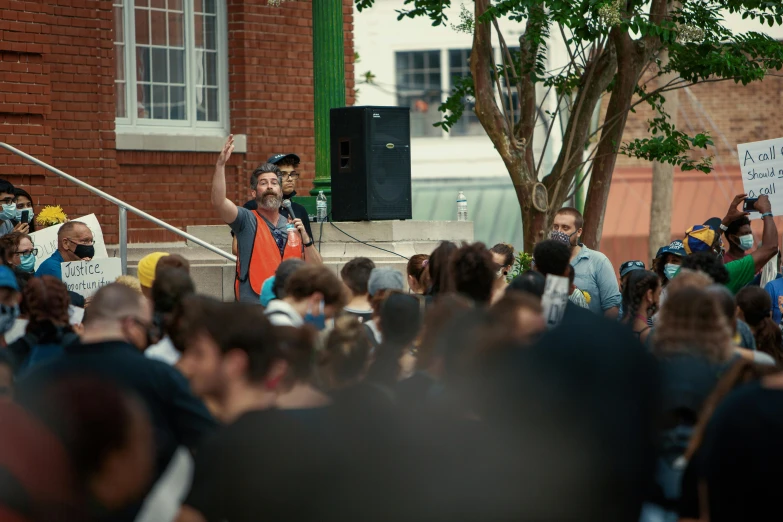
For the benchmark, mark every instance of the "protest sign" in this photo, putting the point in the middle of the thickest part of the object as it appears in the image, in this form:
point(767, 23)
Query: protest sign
point(87, 277)
point(555, 299)
point(761, 163)
point(75, 315)
point(46, 240)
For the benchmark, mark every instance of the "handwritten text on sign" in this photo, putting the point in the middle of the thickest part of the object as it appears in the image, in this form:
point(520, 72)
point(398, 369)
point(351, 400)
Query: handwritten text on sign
point(761, 163)
point(87, 277)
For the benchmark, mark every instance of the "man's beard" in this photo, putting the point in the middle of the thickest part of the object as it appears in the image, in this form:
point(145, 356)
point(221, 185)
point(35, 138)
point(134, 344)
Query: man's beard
point(270, 201)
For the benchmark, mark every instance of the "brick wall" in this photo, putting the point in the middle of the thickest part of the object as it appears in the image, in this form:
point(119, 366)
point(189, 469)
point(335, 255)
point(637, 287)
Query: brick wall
point(57, 102)
point(56, 98)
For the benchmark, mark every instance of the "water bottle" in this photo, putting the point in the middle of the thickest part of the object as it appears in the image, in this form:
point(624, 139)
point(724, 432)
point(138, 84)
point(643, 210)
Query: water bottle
point(462, 207)
point(320, 207)
point(294, 239)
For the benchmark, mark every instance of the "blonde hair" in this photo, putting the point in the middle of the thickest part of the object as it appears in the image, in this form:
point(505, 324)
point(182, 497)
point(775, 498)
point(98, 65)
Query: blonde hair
point(691, 322)
point(129, 281)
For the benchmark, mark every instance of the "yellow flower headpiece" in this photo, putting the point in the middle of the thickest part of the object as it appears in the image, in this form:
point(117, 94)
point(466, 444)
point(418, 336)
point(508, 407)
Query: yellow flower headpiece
point(52, 215)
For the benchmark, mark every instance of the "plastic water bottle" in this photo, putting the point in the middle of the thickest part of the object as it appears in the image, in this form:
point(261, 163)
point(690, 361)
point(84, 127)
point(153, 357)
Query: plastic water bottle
point(320, 207)
point(294, 239)
point(462, 207)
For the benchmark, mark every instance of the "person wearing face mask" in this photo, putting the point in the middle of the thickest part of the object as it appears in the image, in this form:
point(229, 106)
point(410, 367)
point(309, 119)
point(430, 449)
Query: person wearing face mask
point(21, 252)
point(705, 238)
point(74, 243)
point(24, 202)
point(116, 331)
point(739, 236)
point(594, 272)
point(313, 294)
point(8, 212)
point(667, 265)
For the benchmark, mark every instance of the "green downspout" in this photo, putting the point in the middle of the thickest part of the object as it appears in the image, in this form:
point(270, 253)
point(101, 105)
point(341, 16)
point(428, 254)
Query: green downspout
point(328, 83)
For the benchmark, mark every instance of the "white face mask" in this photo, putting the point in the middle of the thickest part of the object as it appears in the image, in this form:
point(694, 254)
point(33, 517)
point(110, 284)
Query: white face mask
point(746, 241)
point(670, 270)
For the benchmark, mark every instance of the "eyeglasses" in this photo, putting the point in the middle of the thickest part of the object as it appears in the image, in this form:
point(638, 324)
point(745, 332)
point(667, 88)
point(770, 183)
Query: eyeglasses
point(34, 252)
point(7, 201)
point(86, 242)
point(293, 175)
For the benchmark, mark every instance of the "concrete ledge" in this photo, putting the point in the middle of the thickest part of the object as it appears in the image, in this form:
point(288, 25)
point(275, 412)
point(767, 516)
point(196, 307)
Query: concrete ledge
point(177, 142)
point(371, 231)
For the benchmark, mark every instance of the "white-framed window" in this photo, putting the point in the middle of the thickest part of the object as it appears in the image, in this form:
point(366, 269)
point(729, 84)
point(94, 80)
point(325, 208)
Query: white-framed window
point(171, 72)
point(419, 87)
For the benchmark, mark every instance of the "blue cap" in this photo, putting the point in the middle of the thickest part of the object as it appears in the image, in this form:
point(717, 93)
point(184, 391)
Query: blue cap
point(676, 247)
point(8, 279)
point(267, 294)
point(630, 266)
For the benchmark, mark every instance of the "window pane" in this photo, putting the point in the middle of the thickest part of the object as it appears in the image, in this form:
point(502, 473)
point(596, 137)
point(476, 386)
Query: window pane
point(143, 64)
point(144, 100)
point(119, 62)
point(178, 105)
point(209, 32)
point(209, 6)
point(175, 5)
point(211, 68)
point(160, 4)
point(198, 6)
point(158, 27)
point(459, 67)
point(160, 102)
point(119, 96)
point(142, 2)
point(176, 66)
point(212, 105)
point(142, 27)
point(201, 104)
point(175, 30)
point(159, 66)
point(198, 31)
point(418, 87)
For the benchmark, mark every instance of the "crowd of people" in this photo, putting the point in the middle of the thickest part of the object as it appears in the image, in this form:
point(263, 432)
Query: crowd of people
point(448, 392)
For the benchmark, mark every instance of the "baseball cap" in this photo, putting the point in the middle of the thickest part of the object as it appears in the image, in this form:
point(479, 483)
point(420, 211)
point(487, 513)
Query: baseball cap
point(699, 238)
point(630, 266)
point(714, 223)
point(277, 158)
point(675, 247)
point(384, 279)
point(8, 279)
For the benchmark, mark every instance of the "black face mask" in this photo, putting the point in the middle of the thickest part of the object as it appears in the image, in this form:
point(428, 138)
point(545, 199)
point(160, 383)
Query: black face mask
point(84, 251)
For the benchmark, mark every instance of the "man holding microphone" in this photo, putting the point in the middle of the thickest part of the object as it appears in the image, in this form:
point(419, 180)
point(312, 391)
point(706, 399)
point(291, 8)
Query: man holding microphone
point(262, 235)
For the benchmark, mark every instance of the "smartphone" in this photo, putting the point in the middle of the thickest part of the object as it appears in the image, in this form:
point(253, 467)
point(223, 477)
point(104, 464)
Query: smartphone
point(749, 205)
point(25, 216)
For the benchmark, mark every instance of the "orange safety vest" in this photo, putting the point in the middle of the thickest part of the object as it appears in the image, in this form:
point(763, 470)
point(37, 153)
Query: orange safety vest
point(264, 257)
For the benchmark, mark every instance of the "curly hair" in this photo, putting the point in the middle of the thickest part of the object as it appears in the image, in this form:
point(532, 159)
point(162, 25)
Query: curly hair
point(737, 224)
point(707, 262)
point(474, 272)
point(756, 306)
point(691, 322)
point(46, 299)
point(551, 257)
point(639, 283)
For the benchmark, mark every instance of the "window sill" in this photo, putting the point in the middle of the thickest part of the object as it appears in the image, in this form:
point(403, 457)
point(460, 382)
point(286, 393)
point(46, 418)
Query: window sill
point(177, 143)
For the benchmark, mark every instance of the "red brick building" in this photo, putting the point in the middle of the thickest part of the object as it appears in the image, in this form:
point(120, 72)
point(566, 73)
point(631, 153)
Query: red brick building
point(136, 98)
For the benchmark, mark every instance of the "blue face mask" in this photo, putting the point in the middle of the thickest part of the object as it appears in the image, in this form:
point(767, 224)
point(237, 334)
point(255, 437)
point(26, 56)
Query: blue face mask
point(318, 321)
point(29, 215)
point(9, 212)
point(670, 270)
point(28, 263)
point(8, 314)
point(746, 242)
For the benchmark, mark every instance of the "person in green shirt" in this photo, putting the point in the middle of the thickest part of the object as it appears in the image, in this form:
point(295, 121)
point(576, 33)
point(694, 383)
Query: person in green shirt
point(707, 238)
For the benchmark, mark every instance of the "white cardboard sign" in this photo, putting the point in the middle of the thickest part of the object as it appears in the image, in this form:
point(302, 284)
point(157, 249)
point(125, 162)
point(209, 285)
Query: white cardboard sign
point(555, 299)
point(761, 163)
point(46, 240)
point(87, 277)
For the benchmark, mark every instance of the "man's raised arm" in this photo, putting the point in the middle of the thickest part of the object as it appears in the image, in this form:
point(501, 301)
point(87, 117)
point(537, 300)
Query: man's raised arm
point(224, 206)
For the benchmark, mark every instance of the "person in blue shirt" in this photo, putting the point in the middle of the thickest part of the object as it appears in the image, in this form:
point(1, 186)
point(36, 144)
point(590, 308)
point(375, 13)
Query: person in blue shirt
point(594, 271)
point(74, 243)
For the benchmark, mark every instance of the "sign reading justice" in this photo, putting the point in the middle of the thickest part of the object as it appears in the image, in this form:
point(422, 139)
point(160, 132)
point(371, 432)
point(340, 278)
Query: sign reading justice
point(761, 163)
point(87, 277)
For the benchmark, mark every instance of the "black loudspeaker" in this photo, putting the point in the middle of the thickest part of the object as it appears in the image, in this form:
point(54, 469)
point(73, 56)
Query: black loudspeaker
point(371, 163)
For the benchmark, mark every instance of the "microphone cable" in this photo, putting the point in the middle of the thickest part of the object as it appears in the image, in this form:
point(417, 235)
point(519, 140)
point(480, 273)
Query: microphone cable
point(329, 218)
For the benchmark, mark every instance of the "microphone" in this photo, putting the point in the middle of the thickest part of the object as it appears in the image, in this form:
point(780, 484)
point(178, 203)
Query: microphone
point(287, 206)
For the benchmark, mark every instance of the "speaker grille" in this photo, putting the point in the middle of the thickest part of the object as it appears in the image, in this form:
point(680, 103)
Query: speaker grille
point(389, 127)
point(390, 183)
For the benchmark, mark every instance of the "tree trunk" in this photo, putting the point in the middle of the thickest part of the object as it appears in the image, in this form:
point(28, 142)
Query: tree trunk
point(629, 62)
point(663, 179)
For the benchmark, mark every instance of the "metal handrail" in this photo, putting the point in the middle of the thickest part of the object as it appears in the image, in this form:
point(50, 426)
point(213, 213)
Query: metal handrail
point(124, 207)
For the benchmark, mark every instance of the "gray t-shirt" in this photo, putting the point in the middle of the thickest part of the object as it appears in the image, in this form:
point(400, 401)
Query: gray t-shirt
point(6, 227)
point(244, 227)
